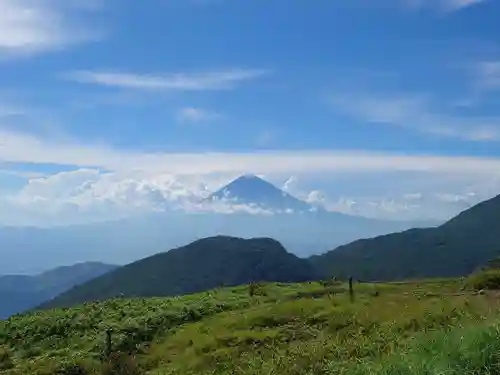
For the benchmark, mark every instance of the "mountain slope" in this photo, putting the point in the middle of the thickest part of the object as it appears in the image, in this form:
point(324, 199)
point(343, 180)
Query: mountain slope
point(21, 292)
point(286, 329)
point(201, 265)
point(455, 248)
point(252, 190)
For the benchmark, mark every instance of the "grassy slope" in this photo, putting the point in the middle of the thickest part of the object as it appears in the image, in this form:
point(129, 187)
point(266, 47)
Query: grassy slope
point(293, 329)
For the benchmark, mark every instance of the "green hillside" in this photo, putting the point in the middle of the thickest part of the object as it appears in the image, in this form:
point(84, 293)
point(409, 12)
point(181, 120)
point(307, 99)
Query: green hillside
point(201, 265)
point(412, 328)
point(455, 248)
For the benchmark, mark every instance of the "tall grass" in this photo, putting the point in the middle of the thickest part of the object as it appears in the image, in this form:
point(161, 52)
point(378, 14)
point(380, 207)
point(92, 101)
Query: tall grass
point(418, 328)
point(467, 351)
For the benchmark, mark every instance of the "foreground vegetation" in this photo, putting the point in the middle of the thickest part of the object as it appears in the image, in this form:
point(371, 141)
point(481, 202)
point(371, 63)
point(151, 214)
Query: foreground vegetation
point(432, 327)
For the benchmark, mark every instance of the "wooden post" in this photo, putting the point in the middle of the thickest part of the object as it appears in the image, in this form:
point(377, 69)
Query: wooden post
point(351, 290)
point(108, 343)
point(251, 289)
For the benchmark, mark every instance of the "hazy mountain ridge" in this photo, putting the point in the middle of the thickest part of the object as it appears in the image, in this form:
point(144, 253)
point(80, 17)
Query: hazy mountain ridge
point(201, 265)
point(21, 292)
point(455, 248)
point(304, 230)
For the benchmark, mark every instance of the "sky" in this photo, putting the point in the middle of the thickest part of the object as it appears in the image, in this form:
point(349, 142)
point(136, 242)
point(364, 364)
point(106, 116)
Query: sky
point(387, 108)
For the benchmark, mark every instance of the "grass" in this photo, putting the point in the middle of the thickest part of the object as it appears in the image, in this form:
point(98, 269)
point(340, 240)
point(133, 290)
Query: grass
point(417, 327)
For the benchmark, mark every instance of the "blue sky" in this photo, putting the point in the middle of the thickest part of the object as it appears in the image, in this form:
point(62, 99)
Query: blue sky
point(336, 94)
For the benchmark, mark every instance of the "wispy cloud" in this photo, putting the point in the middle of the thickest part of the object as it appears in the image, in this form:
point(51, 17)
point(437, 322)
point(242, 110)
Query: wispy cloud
point(265, 138)
point(454, 5)
point(416, 112)
point(9, 110)
point(29, 26)
point(443, 5)
point(196, 115)
point(21, 148)
point(215, 80)
point(488, 75)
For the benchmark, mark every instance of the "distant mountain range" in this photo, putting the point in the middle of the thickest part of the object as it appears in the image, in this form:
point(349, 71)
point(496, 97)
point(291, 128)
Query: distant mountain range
point(21, 292)
point(302, 228)
point(455, 248)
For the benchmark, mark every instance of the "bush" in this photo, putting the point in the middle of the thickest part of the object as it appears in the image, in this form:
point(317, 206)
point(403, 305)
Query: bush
point(71, 369)
point(121, 364)
point(5, 359)
point(487, 279)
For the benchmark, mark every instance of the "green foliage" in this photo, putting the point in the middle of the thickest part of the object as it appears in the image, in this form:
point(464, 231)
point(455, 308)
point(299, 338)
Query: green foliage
point(5, 359)
point(421, 327)
point(471, 350)
point(486, 279)
point(71, 369)
point(196, 267)
point(120, 364)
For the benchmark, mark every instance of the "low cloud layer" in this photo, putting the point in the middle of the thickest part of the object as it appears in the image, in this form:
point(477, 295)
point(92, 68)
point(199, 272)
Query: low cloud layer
point(84, 195)
point(21, 148)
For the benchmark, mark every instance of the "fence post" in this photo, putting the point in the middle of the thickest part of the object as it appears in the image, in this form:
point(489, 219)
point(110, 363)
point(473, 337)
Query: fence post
point(108, 342)
point(351, 290)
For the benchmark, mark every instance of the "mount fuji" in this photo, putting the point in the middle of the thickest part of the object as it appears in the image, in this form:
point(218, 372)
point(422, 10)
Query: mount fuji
point(302, 228)
point(252, 190)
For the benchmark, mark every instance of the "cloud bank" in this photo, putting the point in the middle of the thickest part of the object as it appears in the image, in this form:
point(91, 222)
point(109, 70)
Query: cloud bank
point(83, 195)
point(22, 148)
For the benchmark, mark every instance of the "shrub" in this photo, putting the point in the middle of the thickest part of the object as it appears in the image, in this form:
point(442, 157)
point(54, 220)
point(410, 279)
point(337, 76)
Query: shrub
point(71, 369)
point(121, 364)
point(5, 359)
point(256, 289)
point(486, 279)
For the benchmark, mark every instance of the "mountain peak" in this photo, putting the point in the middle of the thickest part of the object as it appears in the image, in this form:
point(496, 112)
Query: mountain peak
point(252, 190)
point(249, 179)
point(249, 176)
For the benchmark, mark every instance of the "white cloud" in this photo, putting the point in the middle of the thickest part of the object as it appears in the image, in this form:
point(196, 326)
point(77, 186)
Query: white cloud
point(215, 80)
point(376, 184)
point(290, 184)
point(34, 26)
point(22, 148)
point(90, 195)
point(416, 112)
point(397, 195)
point(195, 115)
